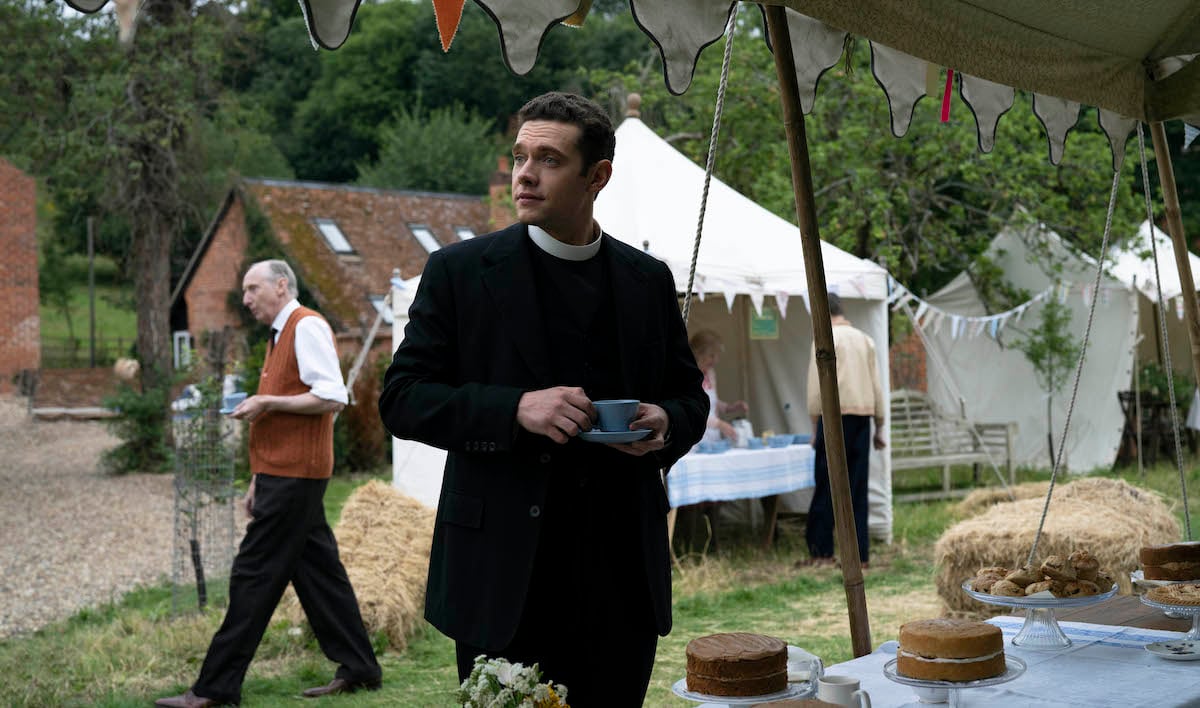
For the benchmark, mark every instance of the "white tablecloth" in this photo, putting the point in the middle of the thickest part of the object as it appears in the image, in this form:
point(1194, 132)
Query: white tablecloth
point(1104, 666)
point(739, 474)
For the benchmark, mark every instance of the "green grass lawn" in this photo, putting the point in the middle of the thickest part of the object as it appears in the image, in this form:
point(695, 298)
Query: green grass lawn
point(132, 652)
point(115, 316)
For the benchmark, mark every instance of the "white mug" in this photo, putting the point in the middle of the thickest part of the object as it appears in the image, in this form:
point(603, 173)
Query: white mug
point(842, 690)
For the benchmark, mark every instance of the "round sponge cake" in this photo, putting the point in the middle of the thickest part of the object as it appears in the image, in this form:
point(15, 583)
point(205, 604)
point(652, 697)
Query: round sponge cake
point(950, 650)
point(736, 664)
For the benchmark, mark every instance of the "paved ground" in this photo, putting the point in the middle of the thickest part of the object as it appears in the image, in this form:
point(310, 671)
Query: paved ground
point(70, 536)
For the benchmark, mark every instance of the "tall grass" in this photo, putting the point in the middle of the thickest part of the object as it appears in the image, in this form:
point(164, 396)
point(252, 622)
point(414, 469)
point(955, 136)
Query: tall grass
point(131, 652)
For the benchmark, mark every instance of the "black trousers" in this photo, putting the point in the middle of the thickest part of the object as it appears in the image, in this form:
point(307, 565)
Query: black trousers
point(288, 540)
point(588, 622)
point(819, 532)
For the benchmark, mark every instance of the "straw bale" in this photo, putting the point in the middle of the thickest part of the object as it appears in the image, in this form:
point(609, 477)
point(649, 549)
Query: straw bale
point(384, 539)
point(1109, 518)
point(983, 498)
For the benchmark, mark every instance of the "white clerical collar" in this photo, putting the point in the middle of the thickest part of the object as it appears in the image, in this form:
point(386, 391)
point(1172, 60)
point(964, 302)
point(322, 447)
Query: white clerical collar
point(282, 318)
point(558, 249)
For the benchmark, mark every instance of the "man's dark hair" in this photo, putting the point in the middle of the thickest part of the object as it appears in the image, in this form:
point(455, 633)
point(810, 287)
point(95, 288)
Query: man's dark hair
point(835, 305)
point(596, 138)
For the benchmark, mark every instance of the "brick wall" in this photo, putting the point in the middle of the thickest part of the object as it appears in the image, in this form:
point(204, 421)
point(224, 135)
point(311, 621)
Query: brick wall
point(500, 209)
point(20, 327)
point(217, 274)
point(907, 358)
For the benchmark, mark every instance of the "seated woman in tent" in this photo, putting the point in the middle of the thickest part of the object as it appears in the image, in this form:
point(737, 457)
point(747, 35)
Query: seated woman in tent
point(707, 347)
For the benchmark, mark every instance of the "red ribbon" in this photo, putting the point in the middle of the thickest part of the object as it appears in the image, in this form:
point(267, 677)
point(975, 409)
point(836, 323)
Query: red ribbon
point(946, 95)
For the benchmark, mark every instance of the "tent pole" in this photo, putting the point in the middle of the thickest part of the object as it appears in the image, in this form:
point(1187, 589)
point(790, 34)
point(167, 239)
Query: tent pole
point(1166, 179)
point(835, 444)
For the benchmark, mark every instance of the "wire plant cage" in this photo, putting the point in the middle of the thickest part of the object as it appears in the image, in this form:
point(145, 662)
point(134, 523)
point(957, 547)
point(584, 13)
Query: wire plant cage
point(203, 541)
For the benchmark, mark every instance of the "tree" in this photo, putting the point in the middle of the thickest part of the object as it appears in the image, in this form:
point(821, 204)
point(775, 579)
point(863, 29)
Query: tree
point(445, 150)
point(924, 205)
point(1052, 351)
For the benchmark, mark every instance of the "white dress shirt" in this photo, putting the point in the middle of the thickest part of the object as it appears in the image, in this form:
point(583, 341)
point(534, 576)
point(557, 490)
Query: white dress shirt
point(315, 354)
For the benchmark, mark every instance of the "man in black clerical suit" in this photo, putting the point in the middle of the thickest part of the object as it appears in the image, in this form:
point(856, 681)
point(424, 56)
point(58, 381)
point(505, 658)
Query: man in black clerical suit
point(549, 548)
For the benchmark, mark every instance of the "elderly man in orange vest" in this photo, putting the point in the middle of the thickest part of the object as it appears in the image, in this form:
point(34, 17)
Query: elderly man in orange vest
point(288, 539)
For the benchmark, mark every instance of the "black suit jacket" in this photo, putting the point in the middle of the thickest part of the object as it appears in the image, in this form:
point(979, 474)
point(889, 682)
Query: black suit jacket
point(473, 345)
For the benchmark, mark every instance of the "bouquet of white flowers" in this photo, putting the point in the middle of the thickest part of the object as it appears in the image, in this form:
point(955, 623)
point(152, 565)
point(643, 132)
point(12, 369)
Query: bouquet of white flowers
point(495, 683)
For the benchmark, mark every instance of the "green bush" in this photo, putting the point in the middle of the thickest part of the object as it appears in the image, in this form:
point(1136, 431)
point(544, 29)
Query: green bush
point(141, 424)
point(1156, 385)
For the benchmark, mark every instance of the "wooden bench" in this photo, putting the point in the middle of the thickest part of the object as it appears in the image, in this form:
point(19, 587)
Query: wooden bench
point(923, 437)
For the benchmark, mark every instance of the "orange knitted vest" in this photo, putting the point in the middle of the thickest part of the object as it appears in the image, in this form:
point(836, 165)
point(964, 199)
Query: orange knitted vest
point(289, 444)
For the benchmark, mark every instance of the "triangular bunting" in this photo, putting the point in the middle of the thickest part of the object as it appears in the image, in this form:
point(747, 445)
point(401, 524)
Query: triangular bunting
point(448, 15)
point(781, 299)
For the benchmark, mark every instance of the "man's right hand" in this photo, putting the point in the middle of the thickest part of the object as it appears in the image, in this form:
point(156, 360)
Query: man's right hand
point(559, 413)
point(249, 500)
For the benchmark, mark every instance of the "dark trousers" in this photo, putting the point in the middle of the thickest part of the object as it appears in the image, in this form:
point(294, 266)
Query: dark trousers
point(587, 622)
point(288, 540)
point(819, 533)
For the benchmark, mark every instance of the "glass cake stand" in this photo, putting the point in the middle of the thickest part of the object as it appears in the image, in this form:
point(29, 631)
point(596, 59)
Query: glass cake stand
point(1041, 630)
point(933, 691)
point(1140, 580)
point(1192, 611)
point(801, 689)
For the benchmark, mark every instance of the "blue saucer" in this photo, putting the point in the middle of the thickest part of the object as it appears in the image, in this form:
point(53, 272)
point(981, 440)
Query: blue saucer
point(615, 436)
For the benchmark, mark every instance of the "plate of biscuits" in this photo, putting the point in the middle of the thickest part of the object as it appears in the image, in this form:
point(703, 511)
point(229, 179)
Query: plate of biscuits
point(1057, 581)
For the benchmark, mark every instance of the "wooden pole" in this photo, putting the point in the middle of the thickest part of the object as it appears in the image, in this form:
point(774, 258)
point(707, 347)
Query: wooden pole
point(91, 250)
point(835, 444)
point(1166, 179)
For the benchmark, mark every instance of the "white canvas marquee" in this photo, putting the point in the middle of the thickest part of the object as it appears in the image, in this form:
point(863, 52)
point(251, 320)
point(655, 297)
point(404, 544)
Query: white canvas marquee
point(750, 261)
point(995, 380)
point(1134, 266)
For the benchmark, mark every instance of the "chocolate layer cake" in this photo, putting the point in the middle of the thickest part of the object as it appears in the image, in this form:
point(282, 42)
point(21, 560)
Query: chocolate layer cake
point(736, 664)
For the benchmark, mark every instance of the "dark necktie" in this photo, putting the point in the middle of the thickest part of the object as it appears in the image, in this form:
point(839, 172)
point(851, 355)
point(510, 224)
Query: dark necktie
point(271, 341)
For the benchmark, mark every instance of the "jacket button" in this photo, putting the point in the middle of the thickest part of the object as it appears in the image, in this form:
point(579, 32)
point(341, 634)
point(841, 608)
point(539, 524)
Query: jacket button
point(535, 511)
point(544, 458)
point(491, 447)
point(470, 446)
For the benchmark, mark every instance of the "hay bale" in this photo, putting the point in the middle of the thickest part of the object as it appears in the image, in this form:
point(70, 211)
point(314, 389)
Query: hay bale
point(1110, 518)
point(979, 500)
point(384, 539)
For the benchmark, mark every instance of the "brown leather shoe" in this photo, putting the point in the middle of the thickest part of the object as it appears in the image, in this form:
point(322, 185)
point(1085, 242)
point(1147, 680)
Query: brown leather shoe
point(186, 700)
point(341, 685)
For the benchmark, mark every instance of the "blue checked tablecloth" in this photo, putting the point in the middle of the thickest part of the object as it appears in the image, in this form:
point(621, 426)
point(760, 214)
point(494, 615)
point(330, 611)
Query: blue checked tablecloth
point(1104, 666)
point(739, 474)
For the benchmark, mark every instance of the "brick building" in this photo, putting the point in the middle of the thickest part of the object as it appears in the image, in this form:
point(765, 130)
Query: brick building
point(343, 242)
point(907, 359)
point(20, 326)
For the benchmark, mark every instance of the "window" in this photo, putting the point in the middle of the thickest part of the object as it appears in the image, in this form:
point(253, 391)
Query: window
point(334, 236)
point(382, 306)
point(464, 232)
point(425, 236)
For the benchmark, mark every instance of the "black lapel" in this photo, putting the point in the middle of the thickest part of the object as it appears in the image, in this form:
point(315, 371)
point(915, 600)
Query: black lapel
point(633, 305)
point(508, 278)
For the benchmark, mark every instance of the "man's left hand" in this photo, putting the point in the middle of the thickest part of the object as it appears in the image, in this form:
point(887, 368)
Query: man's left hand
point(878, 440)
point(652, 417)
point(249, 409)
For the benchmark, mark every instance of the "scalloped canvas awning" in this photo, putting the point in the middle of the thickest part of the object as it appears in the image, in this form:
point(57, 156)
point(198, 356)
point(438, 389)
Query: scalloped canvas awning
point(1132, 59)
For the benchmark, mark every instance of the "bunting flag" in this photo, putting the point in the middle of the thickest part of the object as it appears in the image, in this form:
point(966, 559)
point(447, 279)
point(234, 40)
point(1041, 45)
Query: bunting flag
point(447, 14)
point(756, 299)
point(1190, 133)
point(933, 319)
point(781, 299)
point(1179, 307)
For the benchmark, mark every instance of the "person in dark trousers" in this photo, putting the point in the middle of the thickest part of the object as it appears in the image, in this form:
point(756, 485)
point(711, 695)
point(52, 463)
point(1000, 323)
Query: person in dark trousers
point(547, 548)
point(861, 400)
point(288, 539)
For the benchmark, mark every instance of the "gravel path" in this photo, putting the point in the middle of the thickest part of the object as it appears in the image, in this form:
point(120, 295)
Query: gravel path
point(70, 536)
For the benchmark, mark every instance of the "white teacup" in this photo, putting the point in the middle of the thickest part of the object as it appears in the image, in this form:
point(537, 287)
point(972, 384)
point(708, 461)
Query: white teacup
point(842, 690)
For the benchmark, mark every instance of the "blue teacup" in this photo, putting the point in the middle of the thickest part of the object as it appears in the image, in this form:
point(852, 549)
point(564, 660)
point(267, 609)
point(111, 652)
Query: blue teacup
point(615, 415)
point(228, 403)
point(754, 443)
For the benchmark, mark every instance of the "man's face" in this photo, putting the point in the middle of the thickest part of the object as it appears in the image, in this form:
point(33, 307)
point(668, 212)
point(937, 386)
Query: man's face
point(549, 185)
point(262, 295)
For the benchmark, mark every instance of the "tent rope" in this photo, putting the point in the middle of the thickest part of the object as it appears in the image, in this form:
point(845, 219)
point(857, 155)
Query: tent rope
point(1087, 335)
point(1166, 342)
point(712, 157)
